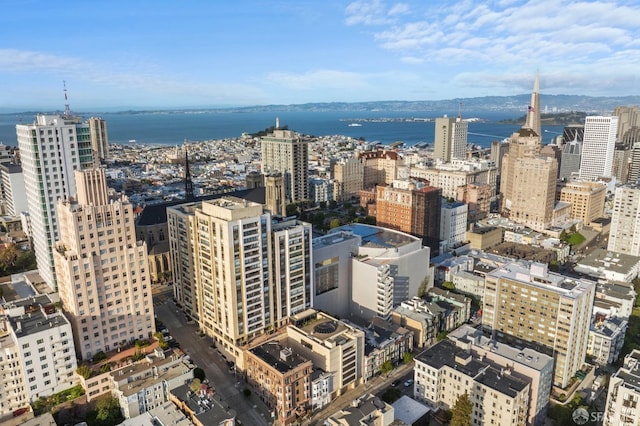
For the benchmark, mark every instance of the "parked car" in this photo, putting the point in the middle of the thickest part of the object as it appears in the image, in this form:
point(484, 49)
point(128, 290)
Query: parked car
point(395, 383)
point(408, 383)
point(167, 338)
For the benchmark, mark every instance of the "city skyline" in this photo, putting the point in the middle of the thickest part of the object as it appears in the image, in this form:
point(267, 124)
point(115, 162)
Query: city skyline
point(153, 54)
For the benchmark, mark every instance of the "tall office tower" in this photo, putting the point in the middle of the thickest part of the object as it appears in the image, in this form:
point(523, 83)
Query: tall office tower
point(410, 208)
point(275, 200)
point(634, 164)
point(586, 198)
point(99, 138)
point(570, 164)
point(450, 138)
point(525, 304)
point(573, 133)
point(287, 152)
point(14, 196)
point(624, 392)
point(533, 110)
point(51, 148)
point(498, 150)
point(292, 267)
point(380, 167)
point(598, 146)
point(628, 117)
point(348, 179)
point(102, 272)
point(631, 137)
point(624, 236)
point(621, 159)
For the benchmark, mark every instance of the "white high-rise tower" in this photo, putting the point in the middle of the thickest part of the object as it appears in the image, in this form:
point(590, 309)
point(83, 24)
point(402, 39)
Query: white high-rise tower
point(51, 148)
point(598, 146)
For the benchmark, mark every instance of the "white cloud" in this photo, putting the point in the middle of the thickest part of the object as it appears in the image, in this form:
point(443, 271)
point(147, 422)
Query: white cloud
point(318, 79)
point(374, 12)
point(573, 41)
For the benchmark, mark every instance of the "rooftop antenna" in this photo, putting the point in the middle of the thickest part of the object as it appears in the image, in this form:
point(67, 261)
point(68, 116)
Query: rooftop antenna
point(67, 109)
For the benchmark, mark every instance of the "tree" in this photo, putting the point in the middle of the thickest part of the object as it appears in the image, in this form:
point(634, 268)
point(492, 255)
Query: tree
point(461, 411)
point(407, 357)
point(334, 223)
point(198, 373)
point(448, 285)
point(391, 395)
point(84, 370)
point(195, 385)
point(108, 411)
point(8, 257)
point(386, 367)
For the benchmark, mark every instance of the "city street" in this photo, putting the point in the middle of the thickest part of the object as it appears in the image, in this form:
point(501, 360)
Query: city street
point(250, 411)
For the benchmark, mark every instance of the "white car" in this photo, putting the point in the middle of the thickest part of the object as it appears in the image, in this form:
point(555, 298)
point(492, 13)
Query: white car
point(167, 338)
point(408, 383)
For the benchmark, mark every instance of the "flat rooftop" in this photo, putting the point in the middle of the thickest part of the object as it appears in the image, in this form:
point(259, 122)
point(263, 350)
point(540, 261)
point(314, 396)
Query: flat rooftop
point(333, 238)
point(270, 353)
point(374, 236)
point(36, 322)
point(536, 274)
point(607, 260)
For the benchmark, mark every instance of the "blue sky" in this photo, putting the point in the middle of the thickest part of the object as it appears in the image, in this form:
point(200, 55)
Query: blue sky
point(140, 54)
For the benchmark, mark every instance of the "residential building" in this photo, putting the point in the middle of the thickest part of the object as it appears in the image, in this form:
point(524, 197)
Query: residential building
point(102, 271)
point(51, 148)
point(38, 356)
point(412, 208)
point(628, 117)
point(634, 162)
point(620, 165)
point(280, 378)
point(450, 140)
point(606, 337)
point(477, 198)
point(484, 237)
point(14, 195)
point(450, 176)
point(424, 324)
point(614, 299)
point(598, 146)
point(321, 389)
point(366, 409)
point(320, 189)
point(145, 386)
point(557, 313)
point(334, 346)
point(458, 304)
point(453, 225)
point(586, 198)
point(348, 179)
point(624, 236)
point(624, 393)
point(202, 407)
point(99, 138)
point(525, 363)
point(444, 372)
point(608, 265)
point(380, 167)
point(287, 152)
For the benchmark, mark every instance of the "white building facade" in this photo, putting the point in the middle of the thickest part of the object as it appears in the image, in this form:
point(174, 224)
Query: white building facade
point(598, 147)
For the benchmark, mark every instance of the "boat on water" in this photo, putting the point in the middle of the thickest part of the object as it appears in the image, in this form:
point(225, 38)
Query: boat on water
point(132, 141)
point(355, 125)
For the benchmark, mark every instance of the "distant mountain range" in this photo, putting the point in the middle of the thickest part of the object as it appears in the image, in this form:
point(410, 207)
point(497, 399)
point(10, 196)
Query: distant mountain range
point(515, 103)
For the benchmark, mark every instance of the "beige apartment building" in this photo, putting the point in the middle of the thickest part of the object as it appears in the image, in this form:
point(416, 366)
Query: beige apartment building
point(348, 179)
point(102, 271)
point(586, 198)
point(380, 167)
point(526, 305)
point(287, 152)
point(445, 371)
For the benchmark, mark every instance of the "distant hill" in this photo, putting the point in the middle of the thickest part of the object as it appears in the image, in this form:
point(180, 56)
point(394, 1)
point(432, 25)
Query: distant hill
point(558, 119)
point(514, 104)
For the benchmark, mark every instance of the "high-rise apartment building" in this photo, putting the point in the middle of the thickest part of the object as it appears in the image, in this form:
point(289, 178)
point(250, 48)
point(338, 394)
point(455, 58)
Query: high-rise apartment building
point(526, 305)
point(598, 146)
point(380, 167)
point(348, 178)
point(477, 198)
point(102, 272)
point(287, 152)
point(51, 148)
point(634, 163)
point(453, 224)
point(450, 138)
point(237, 270)
point(99, 138)
point(14, 197)
point(411, 208)
point(586, 198)
point(624, 236)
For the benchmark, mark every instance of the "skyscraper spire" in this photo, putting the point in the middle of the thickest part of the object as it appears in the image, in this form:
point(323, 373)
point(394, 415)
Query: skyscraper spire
point(188, 183)
point(533, 111)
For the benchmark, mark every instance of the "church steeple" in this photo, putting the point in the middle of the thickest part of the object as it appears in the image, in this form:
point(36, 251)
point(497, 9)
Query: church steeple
point(533, 111)
point(188, 183)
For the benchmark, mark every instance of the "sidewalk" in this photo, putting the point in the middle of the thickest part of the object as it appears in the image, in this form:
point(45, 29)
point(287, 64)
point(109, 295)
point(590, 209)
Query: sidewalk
point(372, 386)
